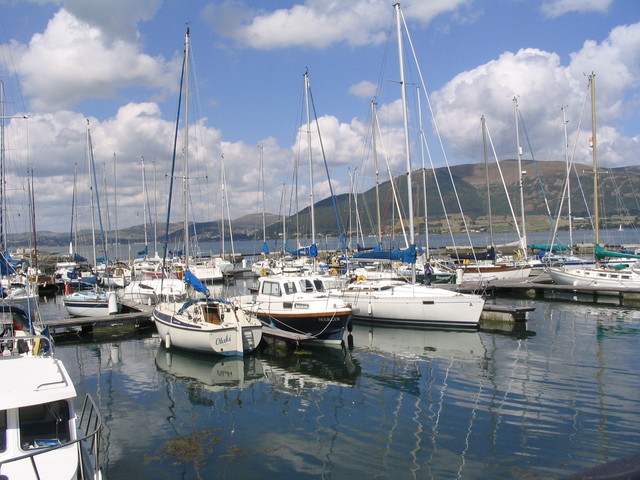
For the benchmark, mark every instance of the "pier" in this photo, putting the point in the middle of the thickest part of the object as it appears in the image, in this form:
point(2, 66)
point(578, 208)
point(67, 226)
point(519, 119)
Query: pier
point(135, 316)
point(541, 287)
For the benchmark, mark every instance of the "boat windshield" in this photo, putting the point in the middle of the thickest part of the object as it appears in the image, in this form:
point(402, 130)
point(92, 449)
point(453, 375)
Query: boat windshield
point(44, 425)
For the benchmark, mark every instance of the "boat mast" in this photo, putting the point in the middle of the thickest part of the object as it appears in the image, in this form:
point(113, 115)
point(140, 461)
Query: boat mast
point(523, 239)
point(223, 197)
point(261, 187)
point(144, 203)
point(566, 158)
point(596, 213)
point(424, 176)
point(375, 166)
point(91, 201)
point(3, 202)
point(311, 197)
point(115, 205)
point(486, 168)
point(185, 180)
point(407, 150)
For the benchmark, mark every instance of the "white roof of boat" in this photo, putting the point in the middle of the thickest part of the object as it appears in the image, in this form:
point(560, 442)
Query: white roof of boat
point(30, 380)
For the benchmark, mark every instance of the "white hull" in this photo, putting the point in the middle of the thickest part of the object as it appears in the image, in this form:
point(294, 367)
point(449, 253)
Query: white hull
point(149, 291)
point(235, 333)
point(91, 305)
point(413, 305)
point(207, 273)
point(487, 273)
point(40, 425)
point(596, 277)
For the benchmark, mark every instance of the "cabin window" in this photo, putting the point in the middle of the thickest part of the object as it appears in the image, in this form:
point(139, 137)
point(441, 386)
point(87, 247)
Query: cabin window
point(44, 425)
point(271, 288)
point(626, 277)
point(306, 285)
point(3, 430)
point(289, 288)
point(319, 285)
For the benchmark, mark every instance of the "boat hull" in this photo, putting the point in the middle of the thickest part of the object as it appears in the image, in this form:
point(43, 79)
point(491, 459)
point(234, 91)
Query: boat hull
point(228, 339)
point(614, 280)
point(414, 305)
point(323, 327)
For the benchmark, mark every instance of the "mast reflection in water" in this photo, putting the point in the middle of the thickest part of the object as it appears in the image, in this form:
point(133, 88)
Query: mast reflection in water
point(401, 403)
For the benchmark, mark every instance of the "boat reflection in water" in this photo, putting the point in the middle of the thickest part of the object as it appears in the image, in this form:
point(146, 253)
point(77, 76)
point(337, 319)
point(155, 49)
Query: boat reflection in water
point(213, 372)
point(463, 345)
point(310, 369)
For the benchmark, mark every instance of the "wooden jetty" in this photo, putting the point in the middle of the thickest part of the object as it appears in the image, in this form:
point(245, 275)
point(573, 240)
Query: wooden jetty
point(135, 316)
point(542, 287)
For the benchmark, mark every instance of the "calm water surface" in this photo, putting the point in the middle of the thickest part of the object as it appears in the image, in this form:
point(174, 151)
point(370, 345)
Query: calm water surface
point(399, 404)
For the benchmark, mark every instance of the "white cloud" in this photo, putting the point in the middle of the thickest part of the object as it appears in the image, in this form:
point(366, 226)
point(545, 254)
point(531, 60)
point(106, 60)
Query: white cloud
point(117, 19)
point(364, 89)
point(557, 8)
point(71, 61)
point(318, 23)
point(543, 84)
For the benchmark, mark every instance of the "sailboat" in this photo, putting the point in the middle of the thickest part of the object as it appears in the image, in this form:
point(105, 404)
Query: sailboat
point(488, 266)
point(200, 324)
point(410, 304)
point(15, 288)
point(92, 303)
point(614, 278)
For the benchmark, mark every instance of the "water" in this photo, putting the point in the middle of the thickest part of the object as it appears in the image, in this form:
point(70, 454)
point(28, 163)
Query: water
point(559, 397)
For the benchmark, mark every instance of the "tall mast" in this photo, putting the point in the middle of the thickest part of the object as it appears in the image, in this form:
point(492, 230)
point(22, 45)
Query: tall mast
point(91, 201)
point(3, 201)
point(407, 150)
point(424, 175)
point(405, 119)
point(155, 211)
point(261, 187)
point(311, 197)
point(596, 213)
point(222, 201)
point(566, 159)
point(115, 204)
point(185, 180)
point(523, 240)
point(144, 203)
point(377, 173)
point(486, 168)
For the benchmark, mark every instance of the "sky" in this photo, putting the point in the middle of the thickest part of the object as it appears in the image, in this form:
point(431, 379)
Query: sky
point(114, 67)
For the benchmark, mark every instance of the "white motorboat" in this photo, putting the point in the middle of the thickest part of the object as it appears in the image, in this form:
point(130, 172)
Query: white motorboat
point(300, 305)
point(41, 436)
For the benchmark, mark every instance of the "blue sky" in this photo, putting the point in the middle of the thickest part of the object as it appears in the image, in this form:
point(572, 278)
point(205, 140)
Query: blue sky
point(117, 63)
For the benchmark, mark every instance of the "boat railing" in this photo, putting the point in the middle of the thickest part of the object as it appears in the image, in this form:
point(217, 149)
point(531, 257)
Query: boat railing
point(36, 345)
point(88, 444)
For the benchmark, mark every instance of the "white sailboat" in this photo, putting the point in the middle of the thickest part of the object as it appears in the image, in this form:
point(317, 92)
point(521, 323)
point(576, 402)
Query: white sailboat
point(605, 275)
point(411, 304)
point(201, 324)
point(92, 303)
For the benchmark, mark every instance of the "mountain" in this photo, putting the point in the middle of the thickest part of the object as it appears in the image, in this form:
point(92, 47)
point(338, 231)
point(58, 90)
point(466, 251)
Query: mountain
point(543, 184)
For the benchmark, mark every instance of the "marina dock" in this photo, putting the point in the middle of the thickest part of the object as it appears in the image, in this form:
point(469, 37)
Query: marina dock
point(134, 316)
point(541, 287)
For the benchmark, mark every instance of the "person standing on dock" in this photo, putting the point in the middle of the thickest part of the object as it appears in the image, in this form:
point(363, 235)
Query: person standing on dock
point(428, 270)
